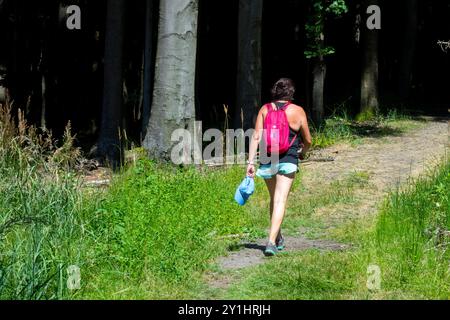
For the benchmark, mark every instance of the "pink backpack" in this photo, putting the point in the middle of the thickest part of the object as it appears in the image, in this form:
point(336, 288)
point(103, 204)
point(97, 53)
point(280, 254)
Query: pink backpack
point(276, 130)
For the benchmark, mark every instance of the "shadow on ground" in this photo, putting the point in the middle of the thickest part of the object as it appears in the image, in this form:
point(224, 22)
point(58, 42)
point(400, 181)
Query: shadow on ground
point(374, 130)
point(252, 253)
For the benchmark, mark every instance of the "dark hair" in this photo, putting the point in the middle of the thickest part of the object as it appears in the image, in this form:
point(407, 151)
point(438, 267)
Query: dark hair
point(284, 89)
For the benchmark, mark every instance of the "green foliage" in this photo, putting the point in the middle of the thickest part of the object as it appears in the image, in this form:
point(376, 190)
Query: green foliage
point(337, 7)
point(320, 10)
point(367, 115)
point(164, 223)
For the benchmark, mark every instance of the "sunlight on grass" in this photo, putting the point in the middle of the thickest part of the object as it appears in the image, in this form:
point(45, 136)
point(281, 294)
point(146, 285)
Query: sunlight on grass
point(158, 228)
point(409, 242)
point(342, 128)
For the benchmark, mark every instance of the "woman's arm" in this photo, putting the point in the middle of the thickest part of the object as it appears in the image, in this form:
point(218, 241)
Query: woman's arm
point(306, 134)
point(254, 143)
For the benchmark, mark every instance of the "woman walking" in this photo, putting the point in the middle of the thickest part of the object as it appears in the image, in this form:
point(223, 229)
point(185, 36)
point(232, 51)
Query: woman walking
point(279, 175)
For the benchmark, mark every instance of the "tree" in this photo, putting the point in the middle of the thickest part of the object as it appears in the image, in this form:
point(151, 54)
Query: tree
point(369, 75)
point(408, 47)
point(249, 72)
point(148, 65)
point(317, 50)
point(173, 104)
point(109, 144)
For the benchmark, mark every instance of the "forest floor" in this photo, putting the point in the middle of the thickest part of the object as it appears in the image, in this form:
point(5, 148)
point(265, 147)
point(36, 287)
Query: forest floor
point(373, 167)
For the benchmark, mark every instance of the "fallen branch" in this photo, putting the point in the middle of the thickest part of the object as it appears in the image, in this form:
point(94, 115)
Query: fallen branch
point(445, 45)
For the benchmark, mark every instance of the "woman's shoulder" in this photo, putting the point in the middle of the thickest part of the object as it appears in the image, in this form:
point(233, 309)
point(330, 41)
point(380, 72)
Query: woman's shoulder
point(292, 107)
point(264, 109)
point(296, 108)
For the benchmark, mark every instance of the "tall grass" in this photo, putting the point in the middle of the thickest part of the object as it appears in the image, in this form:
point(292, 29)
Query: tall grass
point(409, 242)
point(39, 199)
point(413, 237)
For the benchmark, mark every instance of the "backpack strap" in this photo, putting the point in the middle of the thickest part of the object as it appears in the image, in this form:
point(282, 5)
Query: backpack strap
point(293, 140)
point(286, 105)
point(296, 136)
point(270, 108)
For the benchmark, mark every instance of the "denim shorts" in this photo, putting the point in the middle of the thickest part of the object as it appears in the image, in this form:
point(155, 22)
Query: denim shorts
point(269, 171)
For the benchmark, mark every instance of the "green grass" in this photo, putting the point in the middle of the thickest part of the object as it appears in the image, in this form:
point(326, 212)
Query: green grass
point(40, 226)
point(409, 242)
point(341, 128)
point(305, 202)
point(412, 237)
point(307, 276)
point(159, 224)
point(154, 233)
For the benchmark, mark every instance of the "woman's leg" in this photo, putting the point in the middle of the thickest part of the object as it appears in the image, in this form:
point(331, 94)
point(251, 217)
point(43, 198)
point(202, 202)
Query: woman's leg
point(271, 185)
point(282, 190)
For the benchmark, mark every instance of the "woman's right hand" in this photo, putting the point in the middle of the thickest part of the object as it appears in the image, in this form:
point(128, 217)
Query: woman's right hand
point(251, 171)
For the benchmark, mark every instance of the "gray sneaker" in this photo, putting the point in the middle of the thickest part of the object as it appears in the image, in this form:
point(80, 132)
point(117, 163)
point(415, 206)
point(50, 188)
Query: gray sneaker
point(281, 245)
point(271, 250)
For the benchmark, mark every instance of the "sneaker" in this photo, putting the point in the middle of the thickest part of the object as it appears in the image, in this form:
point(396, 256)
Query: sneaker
point(281, 243)
point(271, 250)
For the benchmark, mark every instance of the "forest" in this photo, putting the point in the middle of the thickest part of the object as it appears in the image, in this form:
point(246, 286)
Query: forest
point(92, 93)
point(128, 68)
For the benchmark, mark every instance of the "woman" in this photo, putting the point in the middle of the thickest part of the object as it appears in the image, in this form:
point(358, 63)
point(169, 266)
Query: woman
point(280, 176)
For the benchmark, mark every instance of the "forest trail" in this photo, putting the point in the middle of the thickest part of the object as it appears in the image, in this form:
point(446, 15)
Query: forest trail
point(388, 162)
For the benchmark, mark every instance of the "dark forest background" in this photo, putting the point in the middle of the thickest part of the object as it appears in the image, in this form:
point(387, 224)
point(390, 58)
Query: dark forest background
point(57, 75)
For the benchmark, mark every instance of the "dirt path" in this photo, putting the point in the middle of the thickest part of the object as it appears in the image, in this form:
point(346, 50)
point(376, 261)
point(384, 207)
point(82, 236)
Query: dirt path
point(389, 162)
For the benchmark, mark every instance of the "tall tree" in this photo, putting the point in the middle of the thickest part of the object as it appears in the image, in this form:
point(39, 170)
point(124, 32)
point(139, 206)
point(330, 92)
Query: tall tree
point(148, 65)
point(408, 44)
point(369, 74)
point(173, 104)
point(109, 144)
point(317, 50)
point(249, 74)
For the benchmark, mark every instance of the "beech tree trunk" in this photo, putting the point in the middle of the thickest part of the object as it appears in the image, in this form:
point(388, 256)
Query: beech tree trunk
point(369, 74)
point(249, 72)
point(173, 104)
point(148, 65)
point(109, 144)
point(408, 48)
point(319, 74)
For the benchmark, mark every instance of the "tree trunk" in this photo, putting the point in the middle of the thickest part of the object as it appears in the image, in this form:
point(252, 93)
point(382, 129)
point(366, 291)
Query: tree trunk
point(148, 66)
point(43, 119)
point(109, 144)
point(319, 74)
point(2, 88)
point(249, 63)
point(173, 104)
point(408, 48)
point(308, 91)
point(369, 75)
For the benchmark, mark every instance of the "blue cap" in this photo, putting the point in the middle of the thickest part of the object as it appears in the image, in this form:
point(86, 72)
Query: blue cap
point(244, 191)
